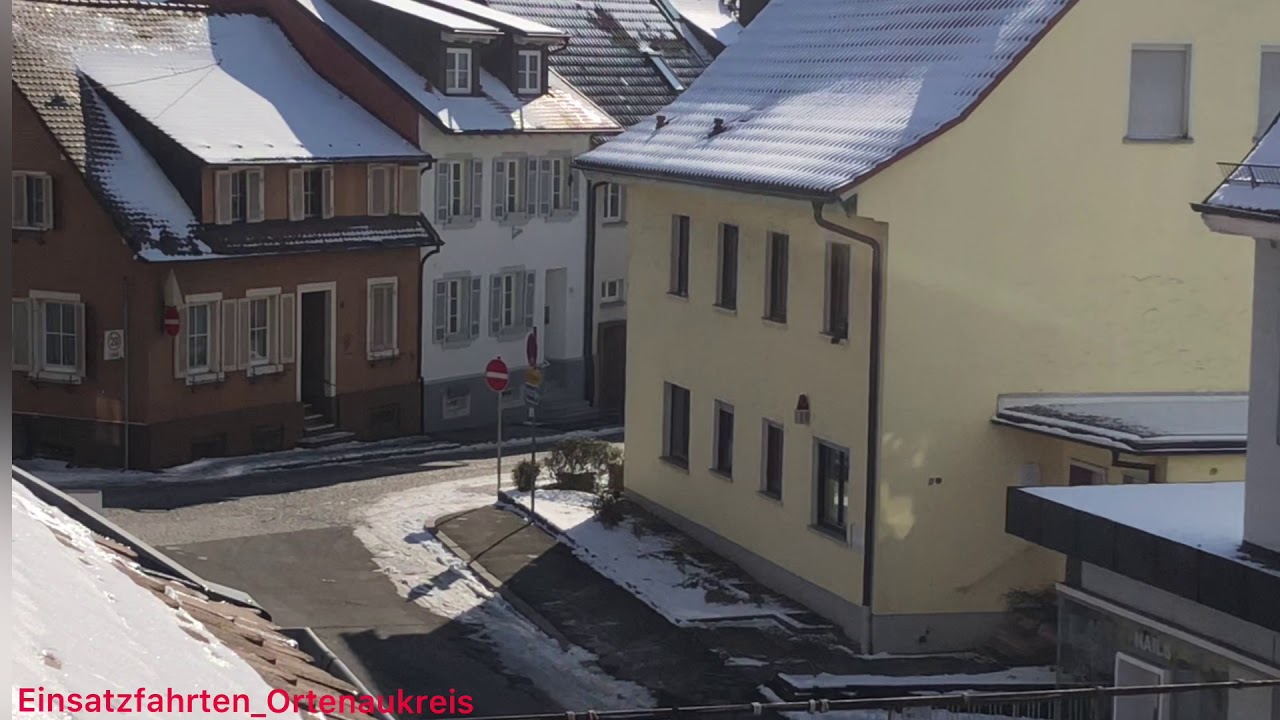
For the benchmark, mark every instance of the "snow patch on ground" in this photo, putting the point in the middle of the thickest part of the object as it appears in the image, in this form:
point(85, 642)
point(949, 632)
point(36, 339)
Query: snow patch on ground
point(81, 625)
point(424, 570)
point(650, 566)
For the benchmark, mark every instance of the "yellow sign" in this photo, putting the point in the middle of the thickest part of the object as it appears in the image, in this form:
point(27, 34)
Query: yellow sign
point(533, 376)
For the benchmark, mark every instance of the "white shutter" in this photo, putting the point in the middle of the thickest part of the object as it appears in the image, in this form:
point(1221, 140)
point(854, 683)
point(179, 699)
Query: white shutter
point(544, 186)
point(409, 199)
point(499, 189)
point(1158, 94)
point(439, 314)
point(288, 316)
point(393, 317)
point(495, 304)
point(530, 296)
point(46, 183)
point(228, 311)
point(222, 197)
point(474, 314)
point(1269, 91)
point(477, 190)
point(243, 333)
point(531, 186)
point(180, 344)
point(297, 205)
point(442, 192)
point(255, 189)
point(20, 331)
point(19, 199)
point(326, 192)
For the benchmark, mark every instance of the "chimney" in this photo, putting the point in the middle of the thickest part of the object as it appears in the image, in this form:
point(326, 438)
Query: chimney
point(717, 126)
point(662, 121)
point(749, 9)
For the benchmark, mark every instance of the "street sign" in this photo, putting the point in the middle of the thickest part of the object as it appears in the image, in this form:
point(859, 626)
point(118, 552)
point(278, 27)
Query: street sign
point(531, 348)
point(113, 345)
point(533, 376)
point(495, 373)
point(532, 395)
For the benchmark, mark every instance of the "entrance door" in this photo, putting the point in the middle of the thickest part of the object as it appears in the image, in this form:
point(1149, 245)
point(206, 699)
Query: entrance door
point(612, 355)
point(313, 355)
point(1131, 672)
point(556, 315)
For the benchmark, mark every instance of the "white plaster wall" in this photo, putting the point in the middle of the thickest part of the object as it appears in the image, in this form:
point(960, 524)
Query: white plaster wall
point(487, 247)
point(611, 264)
point(1262, 471)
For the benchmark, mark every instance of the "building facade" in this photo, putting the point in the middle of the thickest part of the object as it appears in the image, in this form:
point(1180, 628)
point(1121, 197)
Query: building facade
point(823, 316)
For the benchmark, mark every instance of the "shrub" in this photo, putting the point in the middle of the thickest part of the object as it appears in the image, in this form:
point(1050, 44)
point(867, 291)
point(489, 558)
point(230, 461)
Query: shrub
point(525, 475)
point(607, 505)
point(578, 456)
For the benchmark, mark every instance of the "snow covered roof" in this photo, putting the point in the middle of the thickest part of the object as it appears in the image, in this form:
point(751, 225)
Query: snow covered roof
point(561, 109)
point(498, 18)
point(87, 617)
point(848, 87)
point(615, 51)
point(713, 17)
point(451, 21)
point(1136, 423)
point(1253, 186)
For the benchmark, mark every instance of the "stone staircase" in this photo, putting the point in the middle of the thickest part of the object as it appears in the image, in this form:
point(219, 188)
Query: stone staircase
point(319, 431)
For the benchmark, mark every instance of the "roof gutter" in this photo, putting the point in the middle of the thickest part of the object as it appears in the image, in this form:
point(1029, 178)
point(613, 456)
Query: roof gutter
point(760, 188)
point(874, 353)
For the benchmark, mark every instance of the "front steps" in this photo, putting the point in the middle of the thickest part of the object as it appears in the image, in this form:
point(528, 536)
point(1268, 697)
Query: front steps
point(319, 432)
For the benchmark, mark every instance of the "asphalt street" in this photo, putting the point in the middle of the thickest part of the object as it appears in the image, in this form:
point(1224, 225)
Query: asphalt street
point(295, 552)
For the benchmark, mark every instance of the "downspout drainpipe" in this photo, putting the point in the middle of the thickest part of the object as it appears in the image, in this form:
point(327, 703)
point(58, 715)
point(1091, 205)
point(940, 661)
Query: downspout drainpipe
point(422, 291)
point(873, 411)
point(125, 348)
point(589, 308)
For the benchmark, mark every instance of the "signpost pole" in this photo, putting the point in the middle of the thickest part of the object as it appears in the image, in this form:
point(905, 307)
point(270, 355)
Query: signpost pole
point(532, 381)
point(499, 444)
point(533, 457)
point(495, 375)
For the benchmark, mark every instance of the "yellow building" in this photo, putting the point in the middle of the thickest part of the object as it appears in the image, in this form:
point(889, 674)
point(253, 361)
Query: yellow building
point(886, 264)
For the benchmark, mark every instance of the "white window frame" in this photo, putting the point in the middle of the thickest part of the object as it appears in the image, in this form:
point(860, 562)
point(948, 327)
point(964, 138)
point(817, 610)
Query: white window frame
point(513, 201)
point(270, 363)
point(457, 79)
point(510, 294)
point(42, 180)
point(1265, 115)
point(210, 371)
point(461, 408)
point(390, 179)
point(1141, 135)
point(524, 72)
point(456, 194)
point(613, 291)
point(1162, 701)
point(559, 185)
point(392, 349)
point(613, 207)
point(40, 299)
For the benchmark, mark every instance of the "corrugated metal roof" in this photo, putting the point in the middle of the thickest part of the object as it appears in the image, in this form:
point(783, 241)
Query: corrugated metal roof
point(1254, 184)
point(606, 56)
point(562, 108)
point(817, 94)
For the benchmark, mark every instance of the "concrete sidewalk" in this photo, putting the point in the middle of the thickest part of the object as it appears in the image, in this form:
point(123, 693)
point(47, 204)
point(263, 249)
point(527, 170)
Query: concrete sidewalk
point(631, 641)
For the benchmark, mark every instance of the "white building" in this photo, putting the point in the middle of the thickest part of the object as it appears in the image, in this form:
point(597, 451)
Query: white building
point(503, 129)
point(1180, 582)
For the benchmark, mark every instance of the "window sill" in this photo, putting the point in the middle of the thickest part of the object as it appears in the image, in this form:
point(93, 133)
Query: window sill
point(54, 376)
point(613, 303)
point(512, 220)
point(459, 224)
point(613, 223)
point(31, 228)
point(725, 475)
point(455, 343)
point(781, 324)
point(384, 355)
point(841, 339)
point(1130, 140)
point(832, 534)
point(773, 497)
point(205, 378)
point(560, 216)
point(725, 309)
point(683, 297)
point(263, 369)
point(677, 463)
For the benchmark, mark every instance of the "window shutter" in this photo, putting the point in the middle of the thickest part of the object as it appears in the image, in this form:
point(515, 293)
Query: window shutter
point(242, 332)
point(46, 183)
point(19, 200)
point(571, 187)
point(440, 309)
point(499, 189)
point(1158, 94)
point(477, 189)
point(180, 345)
point(530, 281)
point(296, 206)
point(544, 186)
point(1269, 92)
point(475, 307)
point(409, 199)
point(442, 192)
point(393, 317)
point(495, 304)
point(229, 360)
point(222, 197)
point(288, 316)
point(20, 330)
point(622, 203)
point(531, 186)
point(326, 192)
point(372, 173)
point(254, 187)
point(81, 339)
point(371, 301)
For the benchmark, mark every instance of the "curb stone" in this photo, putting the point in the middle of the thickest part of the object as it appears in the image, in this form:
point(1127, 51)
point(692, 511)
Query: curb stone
point(494, 584)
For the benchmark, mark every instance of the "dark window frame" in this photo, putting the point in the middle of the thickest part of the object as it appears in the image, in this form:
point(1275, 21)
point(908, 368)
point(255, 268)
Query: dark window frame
point(722, 449)
point(680, 231)
point(831, 465)
point(839, 288)
point(675, 421)
point(727, 267)
point(777, 276)
point(772, 468)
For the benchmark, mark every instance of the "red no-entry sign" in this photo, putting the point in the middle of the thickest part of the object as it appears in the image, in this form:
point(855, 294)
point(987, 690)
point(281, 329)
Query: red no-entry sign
point(172, 323)
point(495, 373)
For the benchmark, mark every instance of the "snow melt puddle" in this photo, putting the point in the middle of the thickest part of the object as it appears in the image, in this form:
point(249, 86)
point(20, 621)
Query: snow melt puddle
point(424, 570)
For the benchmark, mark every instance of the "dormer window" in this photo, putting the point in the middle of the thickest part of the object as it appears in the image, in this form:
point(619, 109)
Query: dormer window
point(529, 72)
point(457, 71)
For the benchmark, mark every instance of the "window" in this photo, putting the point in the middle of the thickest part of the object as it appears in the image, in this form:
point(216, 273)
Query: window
point(722, 459)
point(836, 322)
point(459, 195)
point(382, 189)
point(259, 330)
point(198, 322)
point(833, 486)
point(511, 302)
point(457, 402)
point(614, 207)
point(32, 201)
point(311, 193)
point(383, 318)
point(675, 435)
point(1079, 473)
point(457, 73)
point(529, 72)
point(260, 340)
point(611, 291)
point(456, 309)
point(727, 270)
point(772, 463)
point(61, 340)
point(679, 255)
point(238, 196)
point(48, 336)
point(1135, 476)
point(776, 281)
point(1158, 97)
point(558, 189)
point(508, 179)
point(1269, 90)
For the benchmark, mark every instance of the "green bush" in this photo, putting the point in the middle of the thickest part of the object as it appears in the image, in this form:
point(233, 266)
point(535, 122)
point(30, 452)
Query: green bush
point(577, 456)
point(607, 505)
point(525, 475)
